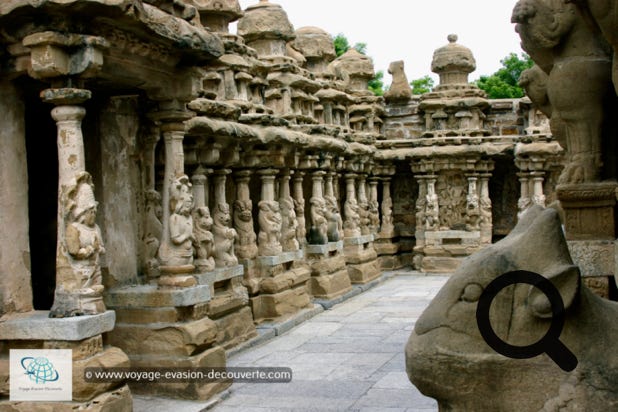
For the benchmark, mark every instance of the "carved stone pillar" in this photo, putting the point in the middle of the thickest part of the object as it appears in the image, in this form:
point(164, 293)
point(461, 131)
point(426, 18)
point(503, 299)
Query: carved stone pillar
point(524, 201)
point(318, 234)
point(387, 228)
point(224, 235)
point(432, 207)
point(153, 215)
point(333, 216)
point(269, 238)
point(486, 223)
point(289, 224)
point(299, 208)
point(203, 238)
point(473, 212)
point(79, 244)
point(176, 250)
point(363, 204)
point(351, 224)
point(538, 197)
point(374, 205)
point(246, 246)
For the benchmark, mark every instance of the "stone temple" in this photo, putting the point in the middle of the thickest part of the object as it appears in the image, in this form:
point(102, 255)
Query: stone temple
point(168, 187)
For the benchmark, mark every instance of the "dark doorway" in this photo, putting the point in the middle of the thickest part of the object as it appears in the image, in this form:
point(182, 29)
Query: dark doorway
point(42, 156)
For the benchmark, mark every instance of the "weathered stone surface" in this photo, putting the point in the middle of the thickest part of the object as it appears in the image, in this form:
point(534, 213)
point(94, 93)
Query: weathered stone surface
point(400, 90)
point(235, 328)
point(365, 272)
point(594, 258)
point(446, 345)
point(151, 296)
point(180, 339)
point(211, 358)
point(108, 358)
point(272, 306)
point(331, 285)
point(37, 325)
point(285, 280)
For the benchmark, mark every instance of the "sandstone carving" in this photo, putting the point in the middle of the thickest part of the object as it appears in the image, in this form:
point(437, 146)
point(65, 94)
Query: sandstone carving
point(81, 288)
point(246, 247)
point(447, 359)
point(204, 239)
point(301, 229)
point(352, 221)
point(179, 251)
point(289, 225)
point(318, 234)
point(224, 237)
point(400, 90)
point(576, 59)
point(269, 239)
point(335, 222)
point(432, 212)
point(153, 232)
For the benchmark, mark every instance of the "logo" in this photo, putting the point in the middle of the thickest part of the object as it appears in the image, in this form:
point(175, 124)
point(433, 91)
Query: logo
point(550, 343)
point(41, 375)
point(39, 370)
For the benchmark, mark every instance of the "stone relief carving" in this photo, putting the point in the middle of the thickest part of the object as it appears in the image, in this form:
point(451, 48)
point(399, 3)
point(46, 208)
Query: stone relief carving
point(301, 229)
point(473, 212)
point(374, 216)
point(224, 237)
point(576, 59)
point(352, 221)
point(269, 239)
point(432, 212)
point(246, 247)
point(289, 225)
point(318, 234)
point(153, 232)
point(179, 250)
point(452, 201)
point(387, 215)
point(81, 288)
point(204, 239)
point(335, 222)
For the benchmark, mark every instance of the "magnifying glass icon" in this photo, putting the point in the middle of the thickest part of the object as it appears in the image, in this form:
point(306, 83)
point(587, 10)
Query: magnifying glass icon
point(550, 343)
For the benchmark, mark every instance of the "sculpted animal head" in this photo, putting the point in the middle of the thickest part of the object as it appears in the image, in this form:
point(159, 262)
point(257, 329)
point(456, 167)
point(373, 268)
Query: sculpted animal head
point(242, 210)
point(202, 218)
point(222, 215)
point(447, 358)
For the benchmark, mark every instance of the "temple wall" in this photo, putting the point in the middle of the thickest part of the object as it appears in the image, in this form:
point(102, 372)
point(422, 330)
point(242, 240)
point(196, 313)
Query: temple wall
point(15, 289)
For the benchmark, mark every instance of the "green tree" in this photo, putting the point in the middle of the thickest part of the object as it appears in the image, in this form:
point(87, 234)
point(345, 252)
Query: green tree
point(376, 85)
point(342, 45)
point(503, 83)
point(423, 85)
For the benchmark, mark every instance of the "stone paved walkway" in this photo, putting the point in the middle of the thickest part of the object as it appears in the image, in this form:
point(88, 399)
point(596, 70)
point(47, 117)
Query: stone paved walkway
point(348, 358)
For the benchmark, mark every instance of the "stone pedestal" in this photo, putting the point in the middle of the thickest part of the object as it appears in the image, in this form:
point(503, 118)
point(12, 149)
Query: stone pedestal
point(361, 259)
point(83, 335)
point(228, 307)
point(590, 226)
point(283, 288)
point(444, 250)
point(169, 327)
point(329, 275)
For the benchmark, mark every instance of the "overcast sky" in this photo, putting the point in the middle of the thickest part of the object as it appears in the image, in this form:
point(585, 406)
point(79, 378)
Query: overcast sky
point(411, 30)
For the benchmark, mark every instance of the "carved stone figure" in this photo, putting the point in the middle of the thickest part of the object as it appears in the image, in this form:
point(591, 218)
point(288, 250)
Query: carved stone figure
point(301, 229)
point(432, 213)
point(318, 234)
point(153, 231)
point(81, 288)
point(224, 237)
point(363, 212)
point(269, 239)
point(335, 223)
point(473, 213)
point(246, 247)
point(400, 90)
point(204, 239)
point(447, 359)
point(289, 225)
point(387, 215)
point(576, 59)
point(352, 221)
point(179, 250)
point(374, 216)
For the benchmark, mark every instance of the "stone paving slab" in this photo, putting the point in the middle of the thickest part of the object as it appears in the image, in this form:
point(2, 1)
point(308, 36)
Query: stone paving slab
point(347, 358)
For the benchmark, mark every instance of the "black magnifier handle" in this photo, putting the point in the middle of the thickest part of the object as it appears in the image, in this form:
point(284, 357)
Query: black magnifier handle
point(560, 354)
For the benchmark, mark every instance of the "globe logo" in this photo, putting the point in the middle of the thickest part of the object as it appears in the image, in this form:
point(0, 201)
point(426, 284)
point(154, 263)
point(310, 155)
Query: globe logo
point(39, 370)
